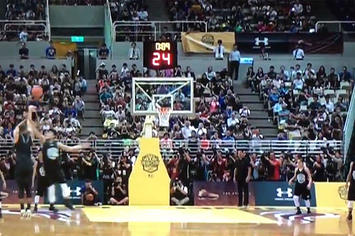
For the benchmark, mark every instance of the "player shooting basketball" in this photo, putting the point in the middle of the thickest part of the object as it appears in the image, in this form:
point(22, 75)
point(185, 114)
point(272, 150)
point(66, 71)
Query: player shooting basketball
point(52, 163)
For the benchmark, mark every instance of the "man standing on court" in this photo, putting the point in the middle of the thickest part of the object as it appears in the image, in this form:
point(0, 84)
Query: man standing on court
point(242, 176)
point(234, 60)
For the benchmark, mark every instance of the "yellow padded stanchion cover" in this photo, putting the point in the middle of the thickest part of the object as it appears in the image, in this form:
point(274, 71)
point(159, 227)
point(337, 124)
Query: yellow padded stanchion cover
point(149, 183)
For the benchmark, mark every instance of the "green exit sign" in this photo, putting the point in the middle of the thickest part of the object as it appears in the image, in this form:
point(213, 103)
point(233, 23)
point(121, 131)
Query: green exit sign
point(77, 39)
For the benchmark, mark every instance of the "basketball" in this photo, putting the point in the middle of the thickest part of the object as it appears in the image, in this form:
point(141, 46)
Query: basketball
point(37, 92)
point(89, 197)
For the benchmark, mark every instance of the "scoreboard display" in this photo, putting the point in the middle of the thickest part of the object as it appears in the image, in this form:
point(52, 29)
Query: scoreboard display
point(160, 55)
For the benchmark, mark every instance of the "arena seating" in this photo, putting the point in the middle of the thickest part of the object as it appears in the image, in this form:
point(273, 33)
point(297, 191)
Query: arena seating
point(247, 16)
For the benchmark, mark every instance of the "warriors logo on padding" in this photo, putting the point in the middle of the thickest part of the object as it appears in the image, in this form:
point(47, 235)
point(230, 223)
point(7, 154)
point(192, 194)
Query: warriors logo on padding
point(150, 163)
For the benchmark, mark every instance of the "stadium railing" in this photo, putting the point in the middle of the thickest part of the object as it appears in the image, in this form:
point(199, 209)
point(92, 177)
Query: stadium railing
point(116, 147)
point(137, 30)
point(320, 24)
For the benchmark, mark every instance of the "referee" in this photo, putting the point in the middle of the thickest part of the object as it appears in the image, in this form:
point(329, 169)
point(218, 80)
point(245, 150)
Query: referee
point(242, 176)
point(234, 61)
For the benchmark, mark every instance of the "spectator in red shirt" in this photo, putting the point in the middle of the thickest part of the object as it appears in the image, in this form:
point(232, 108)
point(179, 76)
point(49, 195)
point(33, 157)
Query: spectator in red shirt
point(275, 167)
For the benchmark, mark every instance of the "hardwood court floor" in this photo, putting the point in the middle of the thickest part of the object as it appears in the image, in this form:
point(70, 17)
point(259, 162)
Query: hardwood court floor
point(184, 221)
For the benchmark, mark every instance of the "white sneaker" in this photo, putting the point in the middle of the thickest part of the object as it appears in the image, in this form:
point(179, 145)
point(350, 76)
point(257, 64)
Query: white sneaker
point(22, 213)
point(28, 213)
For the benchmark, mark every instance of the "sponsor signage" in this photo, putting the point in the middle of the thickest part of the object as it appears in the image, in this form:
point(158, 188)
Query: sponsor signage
point(286, 42)
point(218, 194)
point(277, 194)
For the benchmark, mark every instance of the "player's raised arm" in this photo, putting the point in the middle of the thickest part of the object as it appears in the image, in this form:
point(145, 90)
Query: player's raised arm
point(17, 130)
point(32, 124)
point(76, 148)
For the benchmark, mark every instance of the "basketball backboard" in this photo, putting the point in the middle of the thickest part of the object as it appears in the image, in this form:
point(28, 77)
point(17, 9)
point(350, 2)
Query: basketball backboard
point(148, 94)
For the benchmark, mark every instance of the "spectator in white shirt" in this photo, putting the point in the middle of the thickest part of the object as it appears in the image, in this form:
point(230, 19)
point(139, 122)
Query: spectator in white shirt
point(297, 8)
point(186, 130)
point(23, 35)
point(298, 53)
point(219, 51)
point(125, 71)
point(211, 75)
point(298, 83)
point(234, 60)
point(244, 111)
point(232, 121)
point(329, 105)
point(143, 14)
point(134, 52)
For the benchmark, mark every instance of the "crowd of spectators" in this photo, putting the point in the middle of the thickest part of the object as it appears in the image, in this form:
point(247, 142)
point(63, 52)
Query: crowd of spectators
point(59, 106)
point(77, 2)
point(24, 11)
point(246, 15)
point(305, 104)
point(133, 10)
point(345, 11)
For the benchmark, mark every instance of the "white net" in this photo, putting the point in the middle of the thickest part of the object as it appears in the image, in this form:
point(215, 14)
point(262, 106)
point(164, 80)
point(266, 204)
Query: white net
point(164, 115)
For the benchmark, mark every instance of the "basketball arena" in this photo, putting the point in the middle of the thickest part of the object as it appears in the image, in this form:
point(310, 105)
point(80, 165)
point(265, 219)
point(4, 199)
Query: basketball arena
point(177, 117)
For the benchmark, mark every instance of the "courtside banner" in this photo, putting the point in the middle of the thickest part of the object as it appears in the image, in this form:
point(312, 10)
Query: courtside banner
point(206, 42)
point(218, 194)
point(312, 43)
point(331, 194)
point(277, 194)
point(76, 187)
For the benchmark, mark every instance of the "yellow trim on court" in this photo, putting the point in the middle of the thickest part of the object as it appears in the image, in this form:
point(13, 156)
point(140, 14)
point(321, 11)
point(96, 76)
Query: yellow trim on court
point(173, 215)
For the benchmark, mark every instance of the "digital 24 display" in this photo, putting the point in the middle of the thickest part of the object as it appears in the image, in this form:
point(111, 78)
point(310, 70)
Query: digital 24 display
point(160, 55)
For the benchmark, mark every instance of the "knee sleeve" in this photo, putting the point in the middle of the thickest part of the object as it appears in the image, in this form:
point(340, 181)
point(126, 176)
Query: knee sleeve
point(36, 199)
point(51, 193)
point(350, 204)
point(308, 203)
point(65, 190)
point(296, 200)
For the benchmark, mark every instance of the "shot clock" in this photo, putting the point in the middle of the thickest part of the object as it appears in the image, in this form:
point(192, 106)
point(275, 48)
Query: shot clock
point(160, 55)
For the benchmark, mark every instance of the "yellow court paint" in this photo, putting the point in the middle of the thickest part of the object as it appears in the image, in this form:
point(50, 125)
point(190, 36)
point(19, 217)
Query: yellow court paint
point(149, 182)
point(173, 215)
point(327, 195)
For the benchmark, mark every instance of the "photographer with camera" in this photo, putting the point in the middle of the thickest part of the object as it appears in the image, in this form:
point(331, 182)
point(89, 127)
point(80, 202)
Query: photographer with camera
point(119, 193)
point(179, 193)
point(89, 195)
point(90, 164)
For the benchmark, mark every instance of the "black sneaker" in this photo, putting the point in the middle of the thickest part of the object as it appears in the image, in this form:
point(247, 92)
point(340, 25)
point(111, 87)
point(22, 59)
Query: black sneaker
point(35, 210)
point(309, 211)
point(53, 209)
point(68, 205)
point(350, 217)
point(299, 212)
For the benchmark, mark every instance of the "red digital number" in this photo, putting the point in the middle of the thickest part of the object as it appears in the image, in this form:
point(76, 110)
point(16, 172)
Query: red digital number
point(158, 58)
point(166, 57)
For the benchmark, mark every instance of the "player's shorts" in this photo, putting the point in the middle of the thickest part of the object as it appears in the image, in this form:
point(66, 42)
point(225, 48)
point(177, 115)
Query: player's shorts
point(351, 193)
point(303, 191)
point(23, 178)
point(55, 177)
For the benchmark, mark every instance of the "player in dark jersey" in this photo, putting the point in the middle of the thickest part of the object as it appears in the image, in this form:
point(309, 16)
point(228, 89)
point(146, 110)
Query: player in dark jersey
point(2, 194)
point(23, 137)
point(351, 193)
point(42, 182)
point(303, 185)
point(52, 164)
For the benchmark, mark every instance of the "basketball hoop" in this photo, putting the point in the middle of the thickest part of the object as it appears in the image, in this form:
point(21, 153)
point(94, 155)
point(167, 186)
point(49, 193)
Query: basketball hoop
point(164, 115)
